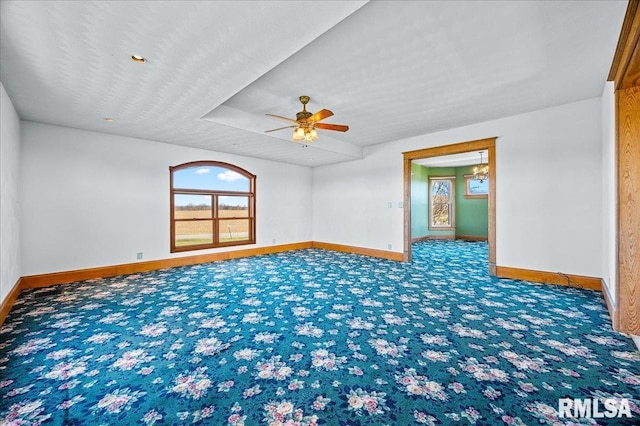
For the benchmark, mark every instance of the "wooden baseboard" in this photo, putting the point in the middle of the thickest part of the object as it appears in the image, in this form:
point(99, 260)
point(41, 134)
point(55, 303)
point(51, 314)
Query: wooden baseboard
point(471, 237)
point(44, 280)
point(449, 237)
point(55, 278)
point(434, 237)
point(8, 301)
point(558, 278)
point(420, 239)
point(389, 255)
point(442, 237)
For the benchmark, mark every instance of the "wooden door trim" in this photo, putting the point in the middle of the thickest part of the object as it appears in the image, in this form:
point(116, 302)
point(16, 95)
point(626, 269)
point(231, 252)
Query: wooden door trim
point(476, 145)
point(625, 73)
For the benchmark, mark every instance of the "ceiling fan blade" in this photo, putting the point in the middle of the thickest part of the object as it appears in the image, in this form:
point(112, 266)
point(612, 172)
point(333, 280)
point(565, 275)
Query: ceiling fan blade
point(280, 128)
point(320, 115)
point(279, 117)
point(327, 126)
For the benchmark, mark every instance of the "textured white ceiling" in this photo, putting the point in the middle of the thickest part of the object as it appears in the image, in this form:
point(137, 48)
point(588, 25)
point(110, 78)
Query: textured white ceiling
point(455, 160)
point(388, 69)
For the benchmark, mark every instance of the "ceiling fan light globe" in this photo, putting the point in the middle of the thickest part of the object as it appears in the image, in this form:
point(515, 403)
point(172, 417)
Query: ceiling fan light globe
point(298, 134)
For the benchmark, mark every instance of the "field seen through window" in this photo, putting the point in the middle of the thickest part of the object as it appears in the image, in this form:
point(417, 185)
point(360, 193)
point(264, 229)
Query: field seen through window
point(233, 225)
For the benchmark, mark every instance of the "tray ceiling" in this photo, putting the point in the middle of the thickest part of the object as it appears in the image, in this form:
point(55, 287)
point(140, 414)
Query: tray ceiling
point(388, 69)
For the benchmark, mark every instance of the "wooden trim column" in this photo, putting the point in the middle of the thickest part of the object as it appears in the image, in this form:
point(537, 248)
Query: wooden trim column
point(628, 165)
point(625, 72)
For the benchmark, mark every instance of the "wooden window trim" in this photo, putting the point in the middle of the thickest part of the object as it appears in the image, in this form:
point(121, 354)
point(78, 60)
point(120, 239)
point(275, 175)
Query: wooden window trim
point(452, 204)
point(467, 178)
point(215, 219)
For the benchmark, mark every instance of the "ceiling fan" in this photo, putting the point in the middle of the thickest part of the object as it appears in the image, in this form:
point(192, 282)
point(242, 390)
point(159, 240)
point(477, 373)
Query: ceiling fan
point(306, 123)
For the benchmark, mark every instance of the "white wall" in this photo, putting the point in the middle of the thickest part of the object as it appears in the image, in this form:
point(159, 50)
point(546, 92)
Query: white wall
point(350, 200)
point(609, 190)
point(9, 195)
point(91, 199)
point(549, 190)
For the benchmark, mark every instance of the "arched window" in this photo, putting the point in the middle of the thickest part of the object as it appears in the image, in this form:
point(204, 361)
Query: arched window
point(213, 204)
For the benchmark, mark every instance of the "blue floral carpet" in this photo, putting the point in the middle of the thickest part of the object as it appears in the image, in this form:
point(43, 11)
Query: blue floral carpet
point(313, 337)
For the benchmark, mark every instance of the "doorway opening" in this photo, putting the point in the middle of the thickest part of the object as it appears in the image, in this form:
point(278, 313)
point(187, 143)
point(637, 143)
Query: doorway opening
point(487, 145)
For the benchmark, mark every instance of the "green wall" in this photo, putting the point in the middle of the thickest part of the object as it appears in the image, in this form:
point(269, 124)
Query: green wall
point(472, 216)
point(419, 201)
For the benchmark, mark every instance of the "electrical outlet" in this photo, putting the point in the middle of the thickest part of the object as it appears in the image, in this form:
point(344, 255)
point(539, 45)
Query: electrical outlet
point(400, 204)
point(139, 255)
point(389, 246)
point(273, 241)
point(390, 204)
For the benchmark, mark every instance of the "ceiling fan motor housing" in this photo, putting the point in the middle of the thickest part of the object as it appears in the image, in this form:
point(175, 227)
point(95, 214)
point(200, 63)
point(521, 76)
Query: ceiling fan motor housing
point(304, 114)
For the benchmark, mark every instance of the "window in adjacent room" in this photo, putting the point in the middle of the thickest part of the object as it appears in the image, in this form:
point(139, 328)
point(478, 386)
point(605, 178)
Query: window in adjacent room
point(212, 205)
point(441, 203)
point(475, 188)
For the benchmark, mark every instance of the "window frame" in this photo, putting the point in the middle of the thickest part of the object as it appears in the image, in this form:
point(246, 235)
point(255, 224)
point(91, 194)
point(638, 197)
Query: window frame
point(467, 194)
point(214, 194)
point(451, 226)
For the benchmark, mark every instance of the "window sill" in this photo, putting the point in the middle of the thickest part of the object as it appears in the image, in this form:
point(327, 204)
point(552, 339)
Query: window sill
point(210, 246)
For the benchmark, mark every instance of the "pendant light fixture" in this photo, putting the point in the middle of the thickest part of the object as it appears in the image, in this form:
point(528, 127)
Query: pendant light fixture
point(481, 171)
point(307, 134)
